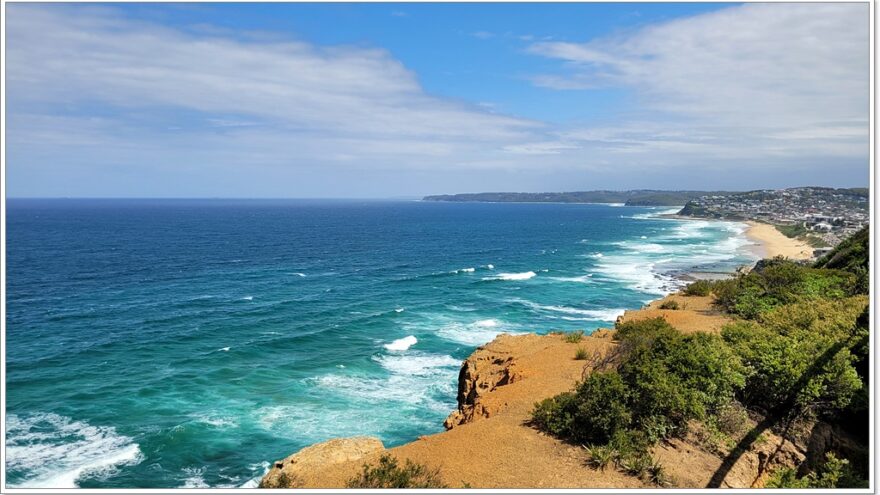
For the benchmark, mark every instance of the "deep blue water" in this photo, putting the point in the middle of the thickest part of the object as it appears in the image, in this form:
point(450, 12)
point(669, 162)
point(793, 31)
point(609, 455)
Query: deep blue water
point(169, 343)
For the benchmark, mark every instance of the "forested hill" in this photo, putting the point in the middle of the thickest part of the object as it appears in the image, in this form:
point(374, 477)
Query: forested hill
point(639, 197)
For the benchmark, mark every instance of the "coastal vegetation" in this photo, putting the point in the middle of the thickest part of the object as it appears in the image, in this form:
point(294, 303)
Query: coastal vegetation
point(389, 474)
point(670, 305)
point(797, 352)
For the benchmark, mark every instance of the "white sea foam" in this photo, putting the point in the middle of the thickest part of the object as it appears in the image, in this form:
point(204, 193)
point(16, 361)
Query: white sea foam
point(399, 310)
point(299, 274)
point(465, 270)
point(224, 349)
point(254, 482)
point(584, 314)
point(413, 379)
point(475, 333)
point(512, 276)
point(194, 478)
point(57, 451)
point(216, 421)
point(247, 298)
point(490, 266)
point(582, 279)
point(402, 344)
point(416, 364)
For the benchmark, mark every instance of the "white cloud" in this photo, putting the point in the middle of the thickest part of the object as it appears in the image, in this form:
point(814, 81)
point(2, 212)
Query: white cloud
point(57, 59)
point(94, 96)
point(753, 79)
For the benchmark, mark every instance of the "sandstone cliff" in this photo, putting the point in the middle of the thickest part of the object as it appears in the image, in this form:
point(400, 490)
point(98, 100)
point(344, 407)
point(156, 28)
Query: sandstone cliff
point(490, 444)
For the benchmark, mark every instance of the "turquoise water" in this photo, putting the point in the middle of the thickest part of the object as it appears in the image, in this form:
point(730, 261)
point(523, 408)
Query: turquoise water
point(188, 343)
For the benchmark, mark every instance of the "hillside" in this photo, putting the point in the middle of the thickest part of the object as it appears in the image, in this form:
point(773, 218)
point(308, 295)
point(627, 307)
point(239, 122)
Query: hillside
point(640, 197)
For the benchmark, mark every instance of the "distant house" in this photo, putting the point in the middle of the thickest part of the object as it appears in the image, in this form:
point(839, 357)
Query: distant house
point(818, 253)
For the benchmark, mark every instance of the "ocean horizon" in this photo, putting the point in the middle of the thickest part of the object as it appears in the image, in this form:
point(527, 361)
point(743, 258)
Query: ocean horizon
point(172, 343)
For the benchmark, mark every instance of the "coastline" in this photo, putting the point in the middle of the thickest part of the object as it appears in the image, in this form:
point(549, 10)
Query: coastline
point(770, 242)
point(489, 442)
point(499, 384)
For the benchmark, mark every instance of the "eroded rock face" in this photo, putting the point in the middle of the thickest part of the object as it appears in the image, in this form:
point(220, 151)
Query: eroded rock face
point(489, 367)
point(288, 472)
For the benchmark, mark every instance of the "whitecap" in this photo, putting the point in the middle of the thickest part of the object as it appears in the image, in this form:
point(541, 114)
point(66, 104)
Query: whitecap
point(465, 270)
point(57, 451)
point(223, 349)
point(194, 478)
point(475, 333)
point(512, 276)
point(247, 298)
point(605, 314)
point(582, 279)
point(490, 266)
point(402, 344)
point(255, 481)
point(416, 364)
point(399, 310)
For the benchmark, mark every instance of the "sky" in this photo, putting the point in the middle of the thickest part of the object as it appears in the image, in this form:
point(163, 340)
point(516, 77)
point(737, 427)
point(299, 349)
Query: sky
point(402, 100)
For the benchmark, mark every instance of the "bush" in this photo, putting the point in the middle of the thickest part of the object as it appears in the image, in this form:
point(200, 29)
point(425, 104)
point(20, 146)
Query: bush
point(601, 456)
point(580, 354)
point(834, 473)
point(698, 288)
point(851, 255)
point(673, 377)
point(803, 363)
point(777, 282)
point(669, 305)
point(389, 475)
point(574, 337)
point(593, 413)
point(665, 379)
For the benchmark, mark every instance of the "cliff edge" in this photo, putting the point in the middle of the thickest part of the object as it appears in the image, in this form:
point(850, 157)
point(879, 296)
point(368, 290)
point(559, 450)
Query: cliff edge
point(489, 442)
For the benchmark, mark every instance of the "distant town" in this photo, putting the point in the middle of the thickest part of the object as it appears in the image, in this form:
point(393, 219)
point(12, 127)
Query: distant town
point(820, 215)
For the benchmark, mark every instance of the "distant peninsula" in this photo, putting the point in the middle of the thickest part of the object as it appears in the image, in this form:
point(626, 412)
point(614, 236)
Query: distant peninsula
point(637, 197)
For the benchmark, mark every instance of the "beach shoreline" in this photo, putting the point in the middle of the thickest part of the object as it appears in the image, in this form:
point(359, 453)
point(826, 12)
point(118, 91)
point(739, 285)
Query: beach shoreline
point(767, 240)
point(770, 242)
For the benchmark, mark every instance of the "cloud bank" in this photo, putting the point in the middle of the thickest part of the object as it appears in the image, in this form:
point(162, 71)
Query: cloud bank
point(101, 104)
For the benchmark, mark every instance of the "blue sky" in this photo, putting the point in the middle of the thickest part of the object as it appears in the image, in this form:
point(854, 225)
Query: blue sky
point(389, 100)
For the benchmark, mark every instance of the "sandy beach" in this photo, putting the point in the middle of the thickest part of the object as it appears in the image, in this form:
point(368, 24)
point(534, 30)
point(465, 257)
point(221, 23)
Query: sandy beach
point(772, 243)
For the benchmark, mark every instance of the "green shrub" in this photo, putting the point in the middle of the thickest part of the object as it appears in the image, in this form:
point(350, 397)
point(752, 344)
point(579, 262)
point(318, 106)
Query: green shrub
point(664, 380)
point(574, 337)
point(669, 305)
point(834, 473)
point(388, 474)
point(777, 282)
point(556, 415)
point(593, 413)
point(783, 366)
point(601, 456)
point(673, 377)
point(580, 354)
point(698, 288)
point(851, 255)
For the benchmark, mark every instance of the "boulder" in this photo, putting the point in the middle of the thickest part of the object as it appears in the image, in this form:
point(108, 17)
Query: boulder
point(289, 472)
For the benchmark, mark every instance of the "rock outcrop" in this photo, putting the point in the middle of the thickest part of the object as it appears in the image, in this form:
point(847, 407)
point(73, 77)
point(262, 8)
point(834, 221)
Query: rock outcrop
point(291, 471)
point(489, 367)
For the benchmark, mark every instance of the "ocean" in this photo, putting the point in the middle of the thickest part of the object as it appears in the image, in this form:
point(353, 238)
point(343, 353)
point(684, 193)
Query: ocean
point(189, 343)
